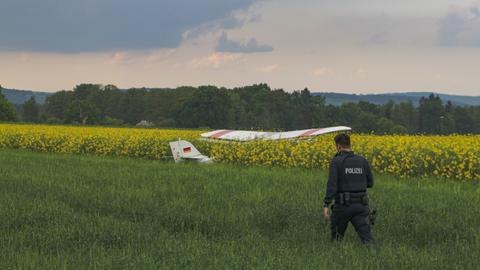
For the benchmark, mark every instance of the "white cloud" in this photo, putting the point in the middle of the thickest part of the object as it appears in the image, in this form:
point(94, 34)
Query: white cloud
point(118, 58)
point(160, 55)
point(148, 57)
point(323, 71)
point(361, 71)
point(215, 60)
point(268, 69)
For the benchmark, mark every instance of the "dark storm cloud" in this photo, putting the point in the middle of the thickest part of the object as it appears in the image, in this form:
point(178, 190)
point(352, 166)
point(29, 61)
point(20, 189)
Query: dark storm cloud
point(460, 27)
point(475, 10)
point(104, 25)
point(229, 22)
point(252, 46)
point(450, 27)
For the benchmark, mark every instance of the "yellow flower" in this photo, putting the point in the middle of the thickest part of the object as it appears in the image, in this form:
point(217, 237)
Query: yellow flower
point(404, 156)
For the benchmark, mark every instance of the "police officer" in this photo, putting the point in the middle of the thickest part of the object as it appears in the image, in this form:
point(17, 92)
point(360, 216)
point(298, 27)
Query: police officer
point(349, 177)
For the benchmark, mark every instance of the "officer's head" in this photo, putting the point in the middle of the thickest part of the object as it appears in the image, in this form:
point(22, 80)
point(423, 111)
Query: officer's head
point(342, 141)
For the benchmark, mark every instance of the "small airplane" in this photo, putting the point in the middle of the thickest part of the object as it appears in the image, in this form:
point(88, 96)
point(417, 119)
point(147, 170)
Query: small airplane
point(183, 150)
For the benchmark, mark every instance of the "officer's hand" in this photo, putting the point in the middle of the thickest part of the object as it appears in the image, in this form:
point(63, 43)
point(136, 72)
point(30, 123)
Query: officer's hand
point(326, 213)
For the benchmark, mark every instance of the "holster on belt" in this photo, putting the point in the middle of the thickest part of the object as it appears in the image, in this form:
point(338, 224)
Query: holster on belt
point(346, 198)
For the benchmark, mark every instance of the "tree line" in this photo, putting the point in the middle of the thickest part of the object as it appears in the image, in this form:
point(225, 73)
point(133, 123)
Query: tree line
point(251, 107)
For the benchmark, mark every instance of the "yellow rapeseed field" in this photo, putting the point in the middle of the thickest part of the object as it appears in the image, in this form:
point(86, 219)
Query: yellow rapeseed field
point(452, 157)
point(133, 142)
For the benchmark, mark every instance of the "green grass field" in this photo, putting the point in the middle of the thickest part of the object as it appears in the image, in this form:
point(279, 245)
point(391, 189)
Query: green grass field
point(83, 212)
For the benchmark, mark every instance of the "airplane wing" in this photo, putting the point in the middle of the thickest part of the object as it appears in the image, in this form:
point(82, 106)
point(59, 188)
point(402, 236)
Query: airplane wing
point(243, 135)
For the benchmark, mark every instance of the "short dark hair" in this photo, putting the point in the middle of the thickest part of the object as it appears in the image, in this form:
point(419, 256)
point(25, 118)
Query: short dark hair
point(342, 140)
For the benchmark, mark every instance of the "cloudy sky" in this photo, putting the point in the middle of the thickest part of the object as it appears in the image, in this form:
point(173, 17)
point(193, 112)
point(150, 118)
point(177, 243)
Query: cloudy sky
point(351, 46)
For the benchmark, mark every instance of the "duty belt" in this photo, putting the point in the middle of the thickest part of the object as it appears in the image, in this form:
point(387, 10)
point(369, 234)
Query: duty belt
point(346, 198)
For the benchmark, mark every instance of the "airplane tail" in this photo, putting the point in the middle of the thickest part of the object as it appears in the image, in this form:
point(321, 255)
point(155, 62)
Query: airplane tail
point(184, 150)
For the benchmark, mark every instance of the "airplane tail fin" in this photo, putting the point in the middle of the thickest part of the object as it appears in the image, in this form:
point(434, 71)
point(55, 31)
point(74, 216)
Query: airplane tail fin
point(184, 150)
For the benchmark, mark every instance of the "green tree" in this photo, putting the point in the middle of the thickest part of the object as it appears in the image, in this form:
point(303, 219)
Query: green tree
point(405, 114)
point(366, 122)
point(398, 129)
point(7, 111)
point(56, 105)
point(463, 118)
point(254, 107)
point(348, 114)
point(112, 102)
point(93, 99)
point(476, 117)
point(387, 109)
point(87, 105)
point(209, 106)
point(82, 112)
point(306, 109)
point(238, 112)
point(369, 107)
point(30, 110)
point(160, 104)
point(385, 125)
point(431, 115)
point(133, 105)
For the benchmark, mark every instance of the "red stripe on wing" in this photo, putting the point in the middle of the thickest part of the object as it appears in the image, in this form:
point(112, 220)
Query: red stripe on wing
point(220, 134)
point(310, 132)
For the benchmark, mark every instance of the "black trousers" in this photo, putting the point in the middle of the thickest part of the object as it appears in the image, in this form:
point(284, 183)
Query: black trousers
point(357, 214)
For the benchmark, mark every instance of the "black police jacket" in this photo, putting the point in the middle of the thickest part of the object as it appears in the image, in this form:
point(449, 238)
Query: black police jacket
point(348, 173)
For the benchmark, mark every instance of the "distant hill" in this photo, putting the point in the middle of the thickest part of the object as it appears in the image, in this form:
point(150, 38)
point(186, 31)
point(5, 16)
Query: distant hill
point(18, 97)
point(338, 99)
